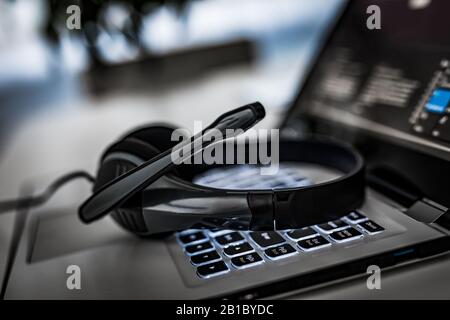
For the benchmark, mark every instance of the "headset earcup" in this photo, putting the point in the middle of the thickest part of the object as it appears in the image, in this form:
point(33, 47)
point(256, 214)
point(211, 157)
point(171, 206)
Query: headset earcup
point(134, 148)
point(159, 136)
point(119, 158)
point(122, 157)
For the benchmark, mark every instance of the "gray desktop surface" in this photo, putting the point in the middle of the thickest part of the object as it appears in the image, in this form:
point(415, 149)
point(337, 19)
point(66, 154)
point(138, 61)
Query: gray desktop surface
point(6, 233)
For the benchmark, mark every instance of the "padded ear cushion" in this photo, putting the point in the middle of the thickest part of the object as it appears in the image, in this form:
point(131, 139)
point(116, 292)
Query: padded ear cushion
point(122, 157)
point(158, 136)
point(119, 158)
point(136, 147)
point(141, 144)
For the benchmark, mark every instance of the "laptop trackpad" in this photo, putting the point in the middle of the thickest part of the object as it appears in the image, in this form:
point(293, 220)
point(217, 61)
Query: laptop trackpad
point(61, 232)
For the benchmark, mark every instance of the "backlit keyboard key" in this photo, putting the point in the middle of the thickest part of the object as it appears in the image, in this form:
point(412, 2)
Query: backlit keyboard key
point(198, 248)
point(314, 243)
point(203, 258)
point(266, 238)
point(370, 227)
point(346, 235)
point(229, 238)
point(217, 232)
point(303, 233)
point(279, 252)
point(237, 249)
point(192, 238)
point(247, 260)
point(332, 226)
point(212, 269)
point(355, 217)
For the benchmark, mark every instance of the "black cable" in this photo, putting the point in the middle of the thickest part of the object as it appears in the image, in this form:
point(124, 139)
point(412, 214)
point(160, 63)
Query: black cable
point(32, 201)
point(18, 227)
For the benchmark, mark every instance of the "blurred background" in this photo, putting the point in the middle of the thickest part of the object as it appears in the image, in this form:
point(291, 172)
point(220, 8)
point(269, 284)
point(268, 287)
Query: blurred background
point(66, 94)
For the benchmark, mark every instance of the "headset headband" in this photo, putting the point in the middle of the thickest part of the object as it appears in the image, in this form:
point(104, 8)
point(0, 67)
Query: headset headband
point(169, 202)
point(175, 203)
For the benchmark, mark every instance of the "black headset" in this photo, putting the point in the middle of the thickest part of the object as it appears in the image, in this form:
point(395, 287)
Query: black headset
point(139, 183)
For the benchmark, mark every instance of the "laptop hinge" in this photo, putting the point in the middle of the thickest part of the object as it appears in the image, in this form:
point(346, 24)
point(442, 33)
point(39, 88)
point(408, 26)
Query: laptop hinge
point(402, 191)
point(426, 211)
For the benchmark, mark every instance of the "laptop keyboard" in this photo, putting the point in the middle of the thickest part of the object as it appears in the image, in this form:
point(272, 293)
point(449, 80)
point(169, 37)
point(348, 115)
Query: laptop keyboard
point(217, 252)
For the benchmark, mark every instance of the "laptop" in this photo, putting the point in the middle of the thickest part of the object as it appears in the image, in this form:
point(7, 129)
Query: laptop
point(387, 91)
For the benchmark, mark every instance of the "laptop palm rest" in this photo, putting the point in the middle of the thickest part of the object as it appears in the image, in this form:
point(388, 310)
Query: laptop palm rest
point(60, 232)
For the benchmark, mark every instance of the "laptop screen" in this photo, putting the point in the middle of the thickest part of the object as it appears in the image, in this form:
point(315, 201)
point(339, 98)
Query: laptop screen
point(384, 71)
